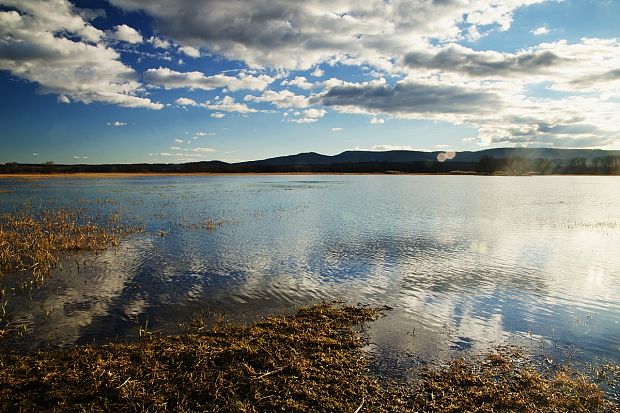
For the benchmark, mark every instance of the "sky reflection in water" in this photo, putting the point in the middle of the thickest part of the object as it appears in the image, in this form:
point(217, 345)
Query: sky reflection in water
point(466, 262)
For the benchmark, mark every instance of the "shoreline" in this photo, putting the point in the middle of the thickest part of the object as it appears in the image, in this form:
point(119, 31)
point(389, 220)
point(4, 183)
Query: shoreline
point(94, 175)
point(308, 361)
point(116, 175)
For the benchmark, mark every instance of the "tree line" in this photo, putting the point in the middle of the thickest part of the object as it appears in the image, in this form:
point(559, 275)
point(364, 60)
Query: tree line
point(603, 165)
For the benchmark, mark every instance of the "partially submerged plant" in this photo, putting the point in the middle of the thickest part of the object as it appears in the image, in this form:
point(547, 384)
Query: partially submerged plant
point(33, 243)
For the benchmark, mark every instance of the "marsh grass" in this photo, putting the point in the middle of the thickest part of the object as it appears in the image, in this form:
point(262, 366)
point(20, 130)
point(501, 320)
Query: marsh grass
point(504, 382)
point(33, 243)
point(307, 362)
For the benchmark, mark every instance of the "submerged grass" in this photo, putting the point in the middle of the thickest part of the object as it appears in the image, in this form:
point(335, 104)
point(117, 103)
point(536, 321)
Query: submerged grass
point(33, 243)
point(307, 362)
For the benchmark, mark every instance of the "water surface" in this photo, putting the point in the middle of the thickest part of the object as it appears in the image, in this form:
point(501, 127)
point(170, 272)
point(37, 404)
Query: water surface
point(466, 262)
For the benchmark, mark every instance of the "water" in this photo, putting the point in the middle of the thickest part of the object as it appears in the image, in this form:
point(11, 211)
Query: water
point(466, 262)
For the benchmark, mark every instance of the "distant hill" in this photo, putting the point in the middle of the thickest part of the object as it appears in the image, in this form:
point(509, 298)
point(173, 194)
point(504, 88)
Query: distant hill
point(313, 158)
point(512, 161)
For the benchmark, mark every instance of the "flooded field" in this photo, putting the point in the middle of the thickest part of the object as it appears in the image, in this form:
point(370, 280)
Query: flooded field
point(465, 263)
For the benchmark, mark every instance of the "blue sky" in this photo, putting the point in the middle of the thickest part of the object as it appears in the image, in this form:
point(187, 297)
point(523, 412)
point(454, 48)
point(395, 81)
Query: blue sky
point(159, 81)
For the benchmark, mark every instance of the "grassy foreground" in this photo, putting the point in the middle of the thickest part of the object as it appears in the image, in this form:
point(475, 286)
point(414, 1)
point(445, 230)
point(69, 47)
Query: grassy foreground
point(307, 362)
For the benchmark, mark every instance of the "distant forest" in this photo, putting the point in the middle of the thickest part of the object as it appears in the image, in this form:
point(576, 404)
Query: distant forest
point(368, 162)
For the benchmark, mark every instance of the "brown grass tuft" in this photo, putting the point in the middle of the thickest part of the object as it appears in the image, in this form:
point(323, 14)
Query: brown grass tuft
point(33, 243)
point(308, 362)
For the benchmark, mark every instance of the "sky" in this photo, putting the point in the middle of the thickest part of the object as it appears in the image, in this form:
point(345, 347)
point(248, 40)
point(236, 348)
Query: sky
point(124, 81)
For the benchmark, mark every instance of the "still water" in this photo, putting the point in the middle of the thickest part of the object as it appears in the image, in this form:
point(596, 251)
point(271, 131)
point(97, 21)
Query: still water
point(465, 262)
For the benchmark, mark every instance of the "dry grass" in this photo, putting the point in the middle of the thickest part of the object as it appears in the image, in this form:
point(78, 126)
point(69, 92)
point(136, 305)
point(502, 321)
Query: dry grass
point(33, 243)
point(308, 362)
point(302, 363)
point(502, 382)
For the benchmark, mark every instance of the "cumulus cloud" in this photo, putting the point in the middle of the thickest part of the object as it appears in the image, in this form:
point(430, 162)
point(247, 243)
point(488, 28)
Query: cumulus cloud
point(227, 104)
point(318, 72)
point(407, 99)
point(540, 31)
point(51, 44)
point(171, 79)
point(337, 129)
point(300, 35)
point(412, 43)
point(591, 80)
point(126, 34)
point(185, 102)
point(282, 99)
point(117, 123)
point(383, 148)
point(159, 43)
point(190, 51)
point(307, 116)
point(460, 59)
point(299, 81)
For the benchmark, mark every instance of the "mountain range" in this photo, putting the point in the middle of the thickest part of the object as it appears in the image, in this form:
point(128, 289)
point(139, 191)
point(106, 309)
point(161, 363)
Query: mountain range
point(497, 160)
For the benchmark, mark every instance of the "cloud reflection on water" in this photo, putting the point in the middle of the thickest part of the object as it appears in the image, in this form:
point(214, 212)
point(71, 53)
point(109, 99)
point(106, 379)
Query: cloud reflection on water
point(466, 262)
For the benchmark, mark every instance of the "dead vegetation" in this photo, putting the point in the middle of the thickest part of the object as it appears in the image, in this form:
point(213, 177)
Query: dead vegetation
point(308, 362)
point(503, 382)
point(33, 243)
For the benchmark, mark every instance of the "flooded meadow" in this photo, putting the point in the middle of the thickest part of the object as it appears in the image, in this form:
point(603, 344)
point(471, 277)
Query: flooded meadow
point(464, 263)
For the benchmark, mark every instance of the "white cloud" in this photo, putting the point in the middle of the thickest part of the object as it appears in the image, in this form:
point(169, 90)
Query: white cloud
point(283, 99)
point(190, 51)
point(307, 116)
point(35, 154)
point(337, 129)
point(203, 150)
point(301, 35)
point(227, 104)
point(413, 44)
point(299, 81)
point(176, 148)
point(50, 44)
point(318, 72)
point(159, 43)
point(201, 134)
point(125, 33)
point(117, 123)
point(540, 31)
point(185, 102)
point(171, 79)
point(179, 140)
point(393, 148)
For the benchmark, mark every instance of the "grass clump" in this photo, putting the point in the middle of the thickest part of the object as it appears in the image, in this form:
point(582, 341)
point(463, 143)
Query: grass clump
point(503, 382)
point(33, 243)
point(302, 363)
point(307, 362)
